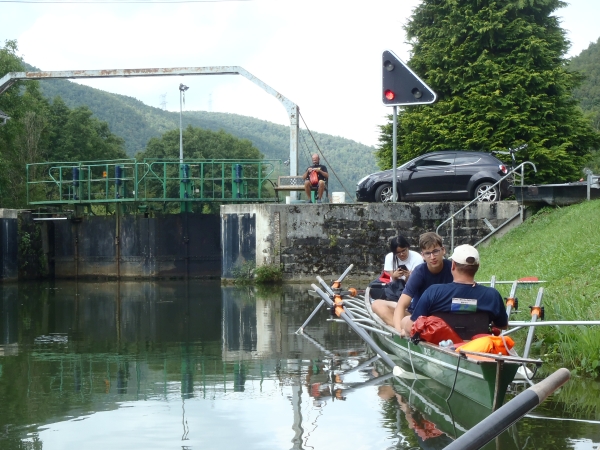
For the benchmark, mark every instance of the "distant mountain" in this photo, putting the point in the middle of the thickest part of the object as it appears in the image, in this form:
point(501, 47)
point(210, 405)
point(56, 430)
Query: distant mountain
point(588, 94)
point(137, 122)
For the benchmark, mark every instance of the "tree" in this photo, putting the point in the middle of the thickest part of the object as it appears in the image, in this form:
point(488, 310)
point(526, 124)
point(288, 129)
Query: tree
point(499, 71)
point(588, 94)
point(200, 144)
point(22, 139)
point(39, 131)
point(76, 135)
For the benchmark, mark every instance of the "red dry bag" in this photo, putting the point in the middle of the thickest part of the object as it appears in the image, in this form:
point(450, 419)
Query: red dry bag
point(433, 329)
point(313, 178)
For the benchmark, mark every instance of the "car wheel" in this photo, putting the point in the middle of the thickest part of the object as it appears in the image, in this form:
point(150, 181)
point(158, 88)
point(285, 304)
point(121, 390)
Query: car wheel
point(491, 195)
point(384, 193)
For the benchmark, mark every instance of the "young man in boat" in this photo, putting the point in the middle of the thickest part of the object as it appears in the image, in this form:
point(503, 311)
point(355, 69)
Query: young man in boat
point(436, 270)
point(462, 295)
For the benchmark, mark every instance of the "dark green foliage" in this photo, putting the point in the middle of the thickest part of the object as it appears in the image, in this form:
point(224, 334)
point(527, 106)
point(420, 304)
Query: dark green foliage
point(244, 272)
point(588, 94)
point(499, 71)
point(75, 135)
point(269, 274)
point(200, 144)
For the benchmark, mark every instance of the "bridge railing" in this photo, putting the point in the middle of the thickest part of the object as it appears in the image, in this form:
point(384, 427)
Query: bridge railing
point(152, 180)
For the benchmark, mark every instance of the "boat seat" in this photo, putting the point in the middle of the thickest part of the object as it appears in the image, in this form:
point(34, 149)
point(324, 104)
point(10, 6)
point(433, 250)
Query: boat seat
point(467, 325)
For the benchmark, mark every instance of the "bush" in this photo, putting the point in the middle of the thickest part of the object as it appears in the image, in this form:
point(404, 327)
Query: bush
point(268, 274)
point(244, 273)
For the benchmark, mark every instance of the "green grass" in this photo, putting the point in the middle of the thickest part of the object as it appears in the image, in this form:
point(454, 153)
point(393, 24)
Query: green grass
point(562, 247)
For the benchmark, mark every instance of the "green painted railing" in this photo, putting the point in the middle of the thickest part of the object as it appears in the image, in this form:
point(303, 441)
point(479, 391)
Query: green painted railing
point(152, 180)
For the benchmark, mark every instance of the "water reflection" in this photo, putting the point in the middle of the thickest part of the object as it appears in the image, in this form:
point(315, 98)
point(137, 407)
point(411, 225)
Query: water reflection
point(177, 364)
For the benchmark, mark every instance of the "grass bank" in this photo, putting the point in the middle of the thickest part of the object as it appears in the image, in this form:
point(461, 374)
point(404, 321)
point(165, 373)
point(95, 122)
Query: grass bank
point(562, 247)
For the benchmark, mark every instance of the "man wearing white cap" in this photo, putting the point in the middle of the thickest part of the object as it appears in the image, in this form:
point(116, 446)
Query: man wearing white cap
point(462, 295)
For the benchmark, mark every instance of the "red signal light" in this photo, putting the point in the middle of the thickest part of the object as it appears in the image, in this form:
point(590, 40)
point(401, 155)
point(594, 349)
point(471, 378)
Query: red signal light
point(389, 94)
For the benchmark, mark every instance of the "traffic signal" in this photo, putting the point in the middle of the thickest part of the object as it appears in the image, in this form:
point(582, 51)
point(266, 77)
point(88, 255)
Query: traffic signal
point(401, 86)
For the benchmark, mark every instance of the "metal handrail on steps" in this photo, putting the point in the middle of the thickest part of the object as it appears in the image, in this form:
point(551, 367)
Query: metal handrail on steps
point(518, 171)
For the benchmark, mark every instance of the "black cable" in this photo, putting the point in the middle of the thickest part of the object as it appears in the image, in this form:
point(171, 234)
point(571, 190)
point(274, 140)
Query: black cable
point(307, 151)
point(328, 164)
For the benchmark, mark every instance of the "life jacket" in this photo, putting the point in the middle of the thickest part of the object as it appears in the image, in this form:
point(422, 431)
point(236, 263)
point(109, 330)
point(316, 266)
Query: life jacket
point(490, 344)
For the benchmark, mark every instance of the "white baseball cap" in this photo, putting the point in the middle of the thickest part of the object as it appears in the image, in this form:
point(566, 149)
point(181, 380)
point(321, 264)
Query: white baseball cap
point(465, 254)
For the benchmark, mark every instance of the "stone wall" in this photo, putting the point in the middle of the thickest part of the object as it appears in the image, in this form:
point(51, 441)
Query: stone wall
point(309, 240)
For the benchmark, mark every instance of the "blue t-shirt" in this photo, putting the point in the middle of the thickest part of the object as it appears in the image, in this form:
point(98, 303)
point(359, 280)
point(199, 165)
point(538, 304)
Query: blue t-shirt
point(458, 297)
point(421, 278)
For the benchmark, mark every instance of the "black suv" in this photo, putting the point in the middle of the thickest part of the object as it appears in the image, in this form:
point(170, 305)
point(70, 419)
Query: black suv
point(447, 175)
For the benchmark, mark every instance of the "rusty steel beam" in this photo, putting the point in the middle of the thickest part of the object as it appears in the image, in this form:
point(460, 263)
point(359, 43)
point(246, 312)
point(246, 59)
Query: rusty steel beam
point(292, 109)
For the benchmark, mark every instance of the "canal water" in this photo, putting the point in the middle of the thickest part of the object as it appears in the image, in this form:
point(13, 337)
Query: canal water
point(193, 365)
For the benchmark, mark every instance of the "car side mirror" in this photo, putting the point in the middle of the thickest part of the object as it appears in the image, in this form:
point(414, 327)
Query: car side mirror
point(413, 166)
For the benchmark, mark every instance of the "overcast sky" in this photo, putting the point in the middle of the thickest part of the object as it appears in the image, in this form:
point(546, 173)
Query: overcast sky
point(324, 55)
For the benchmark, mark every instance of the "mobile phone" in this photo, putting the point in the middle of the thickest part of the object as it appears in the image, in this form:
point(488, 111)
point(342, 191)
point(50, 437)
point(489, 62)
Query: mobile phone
point(403, 267)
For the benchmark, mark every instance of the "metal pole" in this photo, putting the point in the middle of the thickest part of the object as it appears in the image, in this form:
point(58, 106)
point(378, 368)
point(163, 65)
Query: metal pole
point(180, 124)
point(182, 89)
point(511, 412)
point(182, 187)
point(301, 329)
point(363, 334)
point(293, 114)
point(513, 292)
point(534, 318)
point(394, 152)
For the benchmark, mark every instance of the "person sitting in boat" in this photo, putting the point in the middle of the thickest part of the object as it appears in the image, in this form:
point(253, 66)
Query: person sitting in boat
point(462, 295)
point(435, 271)
point(320, 178)
point(397, 267)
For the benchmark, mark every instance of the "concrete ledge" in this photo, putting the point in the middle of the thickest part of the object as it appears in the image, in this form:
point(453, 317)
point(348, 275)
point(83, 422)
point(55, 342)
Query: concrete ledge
point(9, 213)
point(324, 239)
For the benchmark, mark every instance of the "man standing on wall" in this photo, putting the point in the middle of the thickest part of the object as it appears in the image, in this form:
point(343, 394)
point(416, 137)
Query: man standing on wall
point(315, 177)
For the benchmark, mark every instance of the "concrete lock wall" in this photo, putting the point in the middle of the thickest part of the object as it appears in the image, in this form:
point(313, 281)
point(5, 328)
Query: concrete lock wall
point(182, 245)
point(170, 246)
point(309, 240)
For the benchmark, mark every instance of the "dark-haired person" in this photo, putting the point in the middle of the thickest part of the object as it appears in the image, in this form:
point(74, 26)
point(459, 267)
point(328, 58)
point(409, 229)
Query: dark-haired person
point(398, 266)
point(462, 295)
point(435, 271)
point(322, 176)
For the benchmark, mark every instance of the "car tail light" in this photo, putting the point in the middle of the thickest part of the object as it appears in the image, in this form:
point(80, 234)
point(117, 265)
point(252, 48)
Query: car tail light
point(503, 169)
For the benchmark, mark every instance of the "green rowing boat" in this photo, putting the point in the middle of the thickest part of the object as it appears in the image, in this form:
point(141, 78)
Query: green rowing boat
point(481, 378)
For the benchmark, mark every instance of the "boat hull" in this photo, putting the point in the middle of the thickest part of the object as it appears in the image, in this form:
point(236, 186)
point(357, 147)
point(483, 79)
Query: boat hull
point(482, 380)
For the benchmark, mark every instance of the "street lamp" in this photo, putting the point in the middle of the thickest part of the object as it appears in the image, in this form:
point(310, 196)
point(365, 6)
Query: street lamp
point(182, 89)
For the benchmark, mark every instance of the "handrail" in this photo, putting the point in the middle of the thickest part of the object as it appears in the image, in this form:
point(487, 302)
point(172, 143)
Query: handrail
point(513, 171)
point(152, 180)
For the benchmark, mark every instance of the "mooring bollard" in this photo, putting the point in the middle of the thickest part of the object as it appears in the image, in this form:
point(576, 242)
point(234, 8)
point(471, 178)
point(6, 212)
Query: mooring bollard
point(504, 417)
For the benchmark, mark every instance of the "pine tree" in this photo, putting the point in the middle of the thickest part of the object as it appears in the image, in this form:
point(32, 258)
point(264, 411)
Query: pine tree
point(499, 69)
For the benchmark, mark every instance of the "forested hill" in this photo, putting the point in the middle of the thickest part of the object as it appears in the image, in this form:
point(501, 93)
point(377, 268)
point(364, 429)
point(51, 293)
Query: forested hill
point(137, 123)
point(588, 63)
